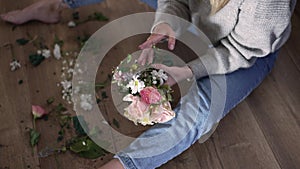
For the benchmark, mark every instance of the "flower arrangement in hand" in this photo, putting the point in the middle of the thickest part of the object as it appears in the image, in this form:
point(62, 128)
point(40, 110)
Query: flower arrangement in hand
point(146, 91)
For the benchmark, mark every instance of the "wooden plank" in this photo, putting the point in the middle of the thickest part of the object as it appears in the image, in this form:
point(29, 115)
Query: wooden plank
point(237, 143)
point(286, 77)
point(188, 159)
point(15, 112)
point(277, 122)
point(292, 44)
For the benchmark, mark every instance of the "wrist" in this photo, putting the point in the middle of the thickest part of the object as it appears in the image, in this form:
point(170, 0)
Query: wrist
point(188, 71)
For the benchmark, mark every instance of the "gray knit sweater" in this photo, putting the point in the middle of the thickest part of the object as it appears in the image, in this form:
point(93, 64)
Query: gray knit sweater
point(241, 31)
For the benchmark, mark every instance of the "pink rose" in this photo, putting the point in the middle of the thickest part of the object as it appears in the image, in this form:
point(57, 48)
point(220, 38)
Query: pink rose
point(162, 113)
point(137, 109)
point(38, 111)
point(150, 95)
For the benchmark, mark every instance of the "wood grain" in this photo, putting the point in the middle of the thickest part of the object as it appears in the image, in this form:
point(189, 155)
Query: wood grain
point(261, 132)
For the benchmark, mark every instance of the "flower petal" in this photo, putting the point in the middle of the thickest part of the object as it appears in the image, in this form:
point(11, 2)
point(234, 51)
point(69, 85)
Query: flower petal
point(38, 111)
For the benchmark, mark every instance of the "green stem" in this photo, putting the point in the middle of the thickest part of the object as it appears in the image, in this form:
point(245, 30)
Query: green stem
point(34, 122)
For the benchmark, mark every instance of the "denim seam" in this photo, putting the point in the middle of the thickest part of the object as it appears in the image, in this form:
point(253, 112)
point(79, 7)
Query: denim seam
point(126, 160)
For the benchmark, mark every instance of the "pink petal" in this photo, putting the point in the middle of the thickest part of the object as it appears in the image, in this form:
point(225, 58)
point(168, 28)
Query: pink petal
point(163, 113)
point(38, 111)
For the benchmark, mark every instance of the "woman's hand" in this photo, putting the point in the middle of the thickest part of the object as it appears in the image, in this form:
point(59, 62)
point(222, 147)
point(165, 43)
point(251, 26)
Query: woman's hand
point(160, 32)
point(176, 74)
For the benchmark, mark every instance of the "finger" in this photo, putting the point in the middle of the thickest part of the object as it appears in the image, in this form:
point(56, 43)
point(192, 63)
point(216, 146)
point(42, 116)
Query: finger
point(152, 40)
point(142, 59)
point(161, 66)
point(171, 42)
point(150, 56)
point(171, 82)
point(146, 55)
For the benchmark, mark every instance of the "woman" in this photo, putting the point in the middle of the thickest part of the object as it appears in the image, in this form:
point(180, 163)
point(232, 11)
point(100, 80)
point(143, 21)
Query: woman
point(246, 35)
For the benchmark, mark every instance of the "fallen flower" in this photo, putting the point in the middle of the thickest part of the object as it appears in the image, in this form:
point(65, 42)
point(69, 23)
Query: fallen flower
point(38, 111)
point(71, 24)
point(46, 53)
point(85, 102)
point(14, 65)
point(56, 52)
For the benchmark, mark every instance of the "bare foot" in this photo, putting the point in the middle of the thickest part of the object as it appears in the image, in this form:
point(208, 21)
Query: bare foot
point(47, 11)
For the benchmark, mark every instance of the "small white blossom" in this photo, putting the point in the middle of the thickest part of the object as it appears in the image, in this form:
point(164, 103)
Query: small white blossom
point(46, 53)
point(39, 52)
point(71, 24)
point(56, 52)
point(14, 65)
point(80, 71)
point(85, 102)
point(66, 84)
point(161, 75)
point(76, 89)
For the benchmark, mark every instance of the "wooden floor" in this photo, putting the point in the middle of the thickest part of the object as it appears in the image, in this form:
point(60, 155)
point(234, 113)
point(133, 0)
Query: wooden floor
point(262, 132)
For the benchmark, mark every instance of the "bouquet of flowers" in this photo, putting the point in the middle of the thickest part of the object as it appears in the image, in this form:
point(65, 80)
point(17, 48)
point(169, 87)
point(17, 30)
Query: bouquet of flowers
point(145, 91)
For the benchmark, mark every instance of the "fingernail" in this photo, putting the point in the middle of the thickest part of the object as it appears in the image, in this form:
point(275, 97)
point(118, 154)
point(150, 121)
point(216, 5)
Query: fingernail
point(171, 47)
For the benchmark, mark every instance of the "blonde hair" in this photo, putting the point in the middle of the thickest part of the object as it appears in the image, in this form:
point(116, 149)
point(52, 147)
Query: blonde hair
point(216, 5)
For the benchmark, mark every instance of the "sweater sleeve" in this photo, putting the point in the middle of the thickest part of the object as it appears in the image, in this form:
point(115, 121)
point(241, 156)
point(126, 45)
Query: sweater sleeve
point(179, 8)
point(260, 30)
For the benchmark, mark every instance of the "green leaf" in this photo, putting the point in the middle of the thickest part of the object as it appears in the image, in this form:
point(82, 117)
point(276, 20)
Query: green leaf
point(58, 41)
point(50, 100)
point(60, 108)
point(87, 148)
point(116, 123)
point(34, 137)
point(36, 59)
point(93, 152)
point(100, 17)
point(22, 41)
point(104, 95)
point(60, 138)
point(79, 145)
point(77, 125)
point(64, 120)
point(129, 57)
point(20, 81)
point(75, 15)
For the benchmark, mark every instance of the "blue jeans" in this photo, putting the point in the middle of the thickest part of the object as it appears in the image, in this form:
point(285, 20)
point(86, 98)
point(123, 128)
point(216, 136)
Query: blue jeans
point(165, 141)
point(239, 85)
point(79, 3)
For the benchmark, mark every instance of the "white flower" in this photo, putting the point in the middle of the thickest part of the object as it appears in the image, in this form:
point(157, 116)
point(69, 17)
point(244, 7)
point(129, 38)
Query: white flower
point(85, 102)
point(135, 85)
point(66, 84)
point(39, 52)
point(14, 65)
point(46, 53)
point(161, 75)
point(71, 24)
point(56, 51)
point(77, 90)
